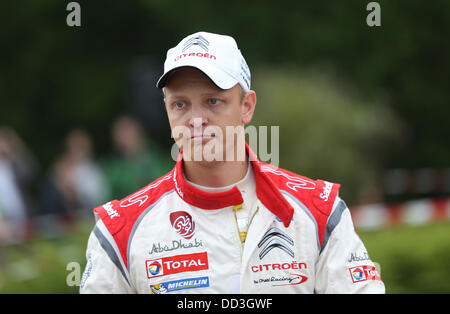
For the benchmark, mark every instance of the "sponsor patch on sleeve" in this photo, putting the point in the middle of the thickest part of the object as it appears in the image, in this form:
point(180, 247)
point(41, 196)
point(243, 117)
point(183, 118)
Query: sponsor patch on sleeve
point(364, 273)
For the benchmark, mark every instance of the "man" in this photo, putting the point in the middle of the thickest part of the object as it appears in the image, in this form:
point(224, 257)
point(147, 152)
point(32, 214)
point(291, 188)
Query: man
point(222, 221)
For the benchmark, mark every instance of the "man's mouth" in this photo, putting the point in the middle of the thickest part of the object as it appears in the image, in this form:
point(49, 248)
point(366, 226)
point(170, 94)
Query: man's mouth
point(202, 137)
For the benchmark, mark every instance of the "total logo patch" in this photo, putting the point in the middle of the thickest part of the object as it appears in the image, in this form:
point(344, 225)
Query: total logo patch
point(363, 273)
point(176, 264)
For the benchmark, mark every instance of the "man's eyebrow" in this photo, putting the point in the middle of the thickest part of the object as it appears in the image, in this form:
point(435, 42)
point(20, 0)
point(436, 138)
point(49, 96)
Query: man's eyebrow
point(205, 94)
point(174, 95)
point(213, 93)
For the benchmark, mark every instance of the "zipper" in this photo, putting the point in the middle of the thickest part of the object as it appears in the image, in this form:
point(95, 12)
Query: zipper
point(243, 233)
point(236, 224)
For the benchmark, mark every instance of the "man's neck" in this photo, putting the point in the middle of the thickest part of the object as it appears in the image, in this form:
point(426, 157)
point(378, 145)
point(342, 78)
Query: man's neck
point(215, 174)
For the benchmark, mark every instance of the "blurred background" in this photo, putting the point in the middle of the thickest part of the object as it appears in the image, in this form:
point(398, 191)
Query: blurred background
point(81, 121)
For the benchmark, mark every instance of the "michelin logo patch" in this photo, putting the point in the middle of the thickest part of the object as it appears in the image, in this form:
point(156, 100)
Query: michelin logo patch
point(169, 286)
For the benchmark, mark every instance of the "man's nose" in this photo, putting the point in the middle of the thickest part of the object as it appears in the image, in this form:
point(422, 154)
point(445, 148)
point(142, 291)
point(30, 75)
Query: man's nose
point(198, 121)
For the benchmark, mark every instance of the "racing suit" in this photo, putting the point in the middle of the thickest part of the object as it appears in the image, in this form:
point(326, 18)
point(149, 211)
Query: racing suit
point(172, 237)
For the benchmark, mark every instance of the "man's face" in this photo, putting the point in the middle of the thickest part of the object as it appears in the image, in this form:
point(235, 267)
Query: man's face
point(200, 115)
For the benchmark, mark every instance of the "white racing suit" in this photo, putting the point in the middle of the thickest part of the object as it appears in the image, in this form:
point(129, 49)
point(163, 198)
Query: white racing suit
point(171, 237)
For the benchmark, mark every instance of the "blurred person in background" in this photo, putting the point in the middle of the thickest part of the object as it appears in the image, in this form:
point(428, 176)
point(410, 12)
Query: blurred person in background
point(76, 182)
point(136, 160)
point(18, 169)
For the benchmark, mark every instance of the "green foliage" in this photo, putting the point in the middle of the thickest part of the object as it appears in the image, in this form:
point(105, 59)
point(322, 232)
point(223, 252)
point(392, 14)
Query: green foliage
point(327, 130)
point(40, 266)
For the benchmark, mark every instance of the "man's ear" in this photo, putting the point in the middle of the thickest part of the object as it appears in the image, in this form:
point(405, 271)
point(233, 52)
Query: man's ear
point(164, 96)
point(248, 106)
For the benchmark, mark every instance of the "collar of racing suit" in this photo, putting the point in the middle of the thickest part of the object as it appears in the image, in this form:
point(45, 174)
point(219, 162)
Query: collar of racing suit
point(266, 191)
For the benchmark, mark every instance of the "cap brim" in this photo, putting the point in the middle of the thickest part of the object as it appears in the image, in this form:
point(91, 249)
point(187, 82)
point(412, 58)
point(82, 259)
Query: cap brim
point(218, 77)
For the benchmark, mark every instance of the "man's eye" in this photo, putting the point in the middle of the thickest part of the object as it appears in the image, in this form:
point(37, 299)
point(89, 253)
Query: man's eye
point(180, 105)
point(213, 101)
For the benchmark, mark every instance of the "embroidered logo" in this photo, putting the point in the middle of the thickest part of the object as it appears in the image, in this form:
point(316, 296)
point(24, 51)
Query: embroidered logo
point(276, 235)
point(176, 264)
point(326, 191)
point(196, 41)
point(183, 224)
point(110, 210)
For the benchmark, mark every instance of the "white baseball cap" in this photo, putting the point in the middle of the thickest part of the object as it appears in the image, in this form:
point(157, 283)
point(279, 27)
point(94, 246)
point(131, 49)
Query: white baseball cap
point(215, 55)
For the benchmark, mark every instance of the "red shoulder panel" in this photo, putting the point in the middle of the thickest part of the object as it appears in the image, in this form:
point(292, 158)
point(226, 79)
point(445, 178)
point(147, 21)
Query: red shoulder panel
point(318, 196)
point(324, 195)
point(119, 217)
point(323, 199)
point(112, 216)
